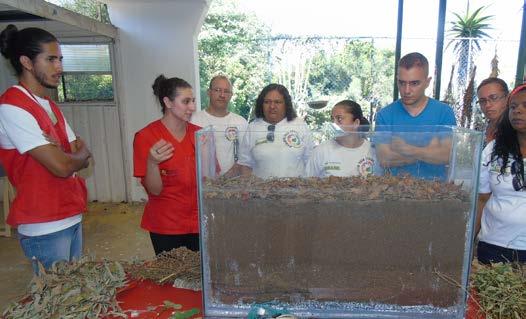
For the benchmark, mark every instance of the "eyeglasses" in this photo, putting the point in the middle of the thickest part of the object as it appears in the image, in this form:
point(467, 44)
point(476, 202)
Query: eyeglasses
point(219, 91)
point(492, 98)
point(518, 177)
point(270, 134)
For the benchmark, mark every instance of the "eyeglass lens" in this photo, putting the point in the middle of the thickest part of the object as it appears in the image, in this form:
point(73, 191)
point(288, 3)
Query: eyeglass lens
point(270, 134)
point(492, 98)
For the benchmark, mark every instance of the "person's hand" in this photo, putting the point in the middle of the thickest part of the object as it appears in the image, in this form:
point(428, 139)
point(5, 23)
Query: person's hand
point(81, 149)
point(399, 146)
point(160, 152)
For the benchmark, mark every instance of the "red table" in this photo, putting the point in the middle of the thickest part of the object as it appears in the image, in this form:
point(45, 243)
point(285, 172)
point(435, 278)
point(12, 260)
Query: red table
point(145, 299)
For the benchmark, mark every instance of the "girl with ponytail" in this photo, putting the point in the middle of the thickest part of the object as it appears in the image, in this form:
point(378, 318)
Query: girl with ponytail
point(349, 153)
point(164, 161)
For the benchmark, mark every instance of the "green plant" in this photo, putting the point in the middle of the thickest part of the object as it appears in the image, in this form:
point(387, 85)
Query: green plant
point(468, 29)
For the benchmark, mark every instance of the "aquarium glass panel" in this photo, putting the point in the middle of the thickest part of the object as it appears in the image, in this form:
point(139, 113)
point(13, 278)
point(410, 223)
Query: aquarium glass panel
point(378, 224)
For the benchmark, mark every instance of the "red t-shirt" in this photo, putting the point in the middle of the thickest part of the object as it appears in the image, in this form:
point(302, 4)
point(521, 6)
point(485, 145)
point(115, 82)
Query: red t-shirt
point(174, 210)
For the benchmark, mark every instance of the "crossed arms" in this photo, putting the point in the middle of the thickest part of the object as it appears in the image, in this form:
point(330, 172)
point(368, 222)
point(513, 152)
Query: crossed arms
point(399, 153)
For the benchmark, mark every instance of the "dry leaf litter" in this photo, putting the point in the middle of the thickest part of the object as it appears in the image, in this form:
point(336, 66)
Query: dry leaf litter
point(342, 188)
point(180, 266)
point(77, 290)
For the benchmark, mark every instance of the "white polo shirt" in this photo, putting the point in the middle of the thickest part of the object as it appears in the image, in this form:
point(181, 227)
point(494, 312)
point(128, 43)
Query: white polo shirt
point(228, 130)
point(284, 156)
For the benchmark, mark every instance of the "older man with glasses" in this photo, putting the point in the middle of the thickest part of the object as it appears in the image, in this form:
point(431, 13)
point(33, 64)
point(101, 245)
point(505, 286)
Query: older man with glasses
point(229, 127)
point(492, 93)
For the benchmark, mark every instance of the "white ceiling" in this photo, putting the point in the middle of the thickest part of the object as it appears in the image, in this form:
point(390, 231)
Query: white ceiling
point(64, 24)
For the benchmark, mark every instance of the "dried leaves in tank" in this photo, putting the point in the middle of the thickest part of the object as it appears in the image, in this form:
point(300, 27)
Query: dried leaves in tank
point(501, 290)
point(331, 188)
point(82, 289)
point(181, 265)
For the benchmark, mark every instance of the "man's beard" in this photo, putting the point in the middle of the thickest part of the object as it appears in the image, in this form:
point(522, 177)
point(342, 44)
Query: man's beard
point(41, 78)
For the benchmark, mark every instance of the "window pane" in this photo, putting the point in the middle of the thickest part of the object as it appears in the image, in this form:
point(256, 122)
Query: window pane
point(86, 58)
point(86, 87)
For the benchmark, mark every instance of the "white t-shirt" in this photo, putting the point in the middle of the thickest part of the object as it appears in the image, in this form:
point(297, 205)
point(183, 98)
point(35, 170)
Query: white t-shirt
point(504, 216)
point(229, 130)
point(285, 156)
point(20, 130)
point(331, 158)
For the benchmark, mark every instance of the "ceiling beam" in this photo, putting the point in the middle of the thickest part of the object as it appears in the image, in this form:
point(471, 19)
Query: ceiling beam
point(50, 11)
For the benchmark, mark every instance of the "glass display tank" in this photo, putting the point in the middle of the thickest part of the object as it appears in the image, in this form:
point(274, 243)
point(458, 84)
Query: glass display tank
point(389, 238)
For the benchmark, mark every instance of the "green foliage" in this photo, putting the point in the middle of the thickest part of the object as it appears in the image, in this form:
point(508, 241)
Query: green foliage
point(501, 290)
point(86, 87)
point(234, 44)
point(360, 72)
point(471, 26)
point(89, 8)
point(316, 118)
point(468, 29)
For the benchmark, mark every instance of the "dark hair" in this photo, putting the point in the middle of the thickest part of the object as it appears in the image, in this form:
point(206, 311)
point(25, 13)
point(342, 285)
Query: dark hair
point(163, 87)
point(414, 59)
point(219, 76)
point(498, 81)
point(355, 109)
point(506, 140)
point(290, 113)
point(26, 42)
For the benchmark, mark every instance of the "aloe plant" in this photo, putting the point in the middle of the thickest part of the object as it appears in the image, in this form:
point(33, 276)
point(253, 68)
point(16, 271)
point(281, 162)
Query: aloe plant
point(468, 29)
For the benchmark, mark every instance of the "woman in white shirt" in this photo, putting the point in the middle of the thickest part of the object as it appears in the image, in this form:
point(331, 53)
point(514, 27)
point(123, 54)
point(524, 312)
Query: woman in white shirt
point(348, 154)
point(277, 143)
point(501, 215)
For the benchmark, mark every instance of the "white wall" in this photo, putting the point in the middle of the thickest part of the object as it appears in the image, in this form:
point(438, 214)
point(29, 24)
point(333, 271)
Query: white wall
point(156, 36)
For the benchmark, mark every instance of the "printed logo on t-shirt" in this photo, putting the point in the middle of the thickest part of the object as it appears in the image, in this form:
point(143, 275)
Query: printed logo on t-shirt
point(292, 139)
point(231, 133)
point(494, 167)
point(332, 166)
point(365, 166)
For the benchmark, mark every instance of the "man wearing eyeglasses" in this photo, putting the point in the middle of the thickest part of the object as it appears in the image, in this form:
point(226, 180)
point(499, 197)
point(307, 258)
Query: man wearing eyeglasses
point(424, 153)
point(492, 93)
point(227, 125)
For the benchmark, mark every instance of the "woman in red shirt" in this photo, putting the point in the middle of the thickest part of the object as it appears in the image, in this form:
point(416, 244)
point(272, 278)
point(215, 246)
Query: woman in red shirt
point(164, 160)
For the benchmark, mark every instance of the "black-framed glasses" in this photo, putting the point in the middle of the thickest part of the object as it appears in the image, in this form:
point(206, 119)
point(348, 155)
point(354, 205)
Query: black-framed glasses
point(492, 98)
point(518, 177)
point(270, 135)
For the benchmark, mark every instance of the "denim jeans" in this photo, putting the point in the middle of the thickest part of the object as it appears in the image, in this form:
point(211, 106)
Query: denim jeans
point(62, 245)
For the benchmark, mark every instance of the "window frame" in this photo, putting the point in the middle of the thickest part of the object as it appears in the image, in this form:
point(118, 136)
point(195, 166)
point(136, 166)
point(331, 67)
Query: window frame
point(111, 49)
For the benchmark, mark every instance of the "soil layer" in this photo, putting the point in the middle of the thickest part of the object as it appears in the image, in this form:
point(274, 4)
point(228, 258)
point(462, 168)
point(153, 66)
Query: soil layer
point(388, 252)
